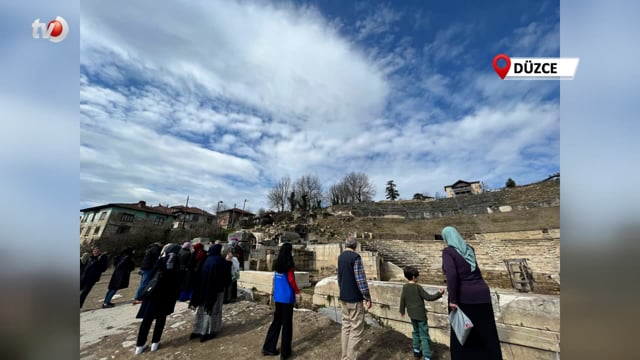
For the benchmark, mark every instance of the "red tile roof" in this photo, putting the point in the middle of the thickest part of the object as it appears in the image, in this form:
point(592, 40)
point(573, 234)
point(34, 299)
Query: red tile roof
point(140, 206)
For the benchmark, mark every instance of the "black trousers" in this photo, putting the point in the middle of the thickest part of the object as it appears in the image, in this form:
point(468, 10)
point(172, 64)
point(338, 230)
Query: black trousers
point(231, 292)
point(145, 326)
point(282, 319)
point(483, 342)
point(85, 291)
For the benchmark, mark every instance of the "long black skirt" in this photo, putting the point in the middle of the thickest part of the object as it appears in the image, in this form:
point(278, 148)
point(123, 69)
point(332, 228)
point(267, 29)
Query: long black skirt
point(483, 342)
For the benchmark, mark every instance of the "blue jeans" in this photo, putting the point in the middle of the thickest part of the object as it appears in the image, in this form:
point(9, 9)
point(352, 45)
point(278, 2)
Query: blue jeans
point(143, 283)
point(109, 296)
point(421, 335)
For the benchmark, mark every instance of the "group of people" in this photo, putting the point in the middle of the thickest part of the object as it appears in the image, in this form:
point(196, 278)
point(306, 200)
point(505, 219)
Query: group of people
point(466, 290)
point(188, 273)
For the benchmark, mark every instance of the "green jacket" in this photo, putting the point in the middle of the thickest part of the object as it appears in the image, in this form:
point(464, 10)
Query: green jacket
point(412, 298)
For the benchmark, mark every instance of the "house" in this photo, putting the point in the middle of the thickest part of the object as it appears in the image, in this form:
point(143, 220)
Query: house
point(191, 218)
point(462, 187)
point(229, 218)
point(116, 219)
point(264, 219)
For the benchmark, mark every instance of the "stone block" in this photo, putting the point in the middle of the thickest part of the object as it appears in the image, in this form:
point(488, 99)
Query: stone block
point(528, 324)
point(263, 280)
point(534, 311)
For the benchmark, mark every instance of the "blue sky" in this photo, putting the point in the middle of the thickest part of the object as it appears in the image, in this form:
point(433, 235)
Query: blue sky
point(217, 100)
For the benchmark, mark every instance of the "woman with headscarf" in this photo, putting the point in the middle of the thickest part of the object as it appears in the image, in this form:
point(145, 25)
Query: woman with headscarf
point(197, 258)
point(469, 292)
point(209, 295)
point(120, 278)
point(185, 261)
point(284, 295)
point(161, 302)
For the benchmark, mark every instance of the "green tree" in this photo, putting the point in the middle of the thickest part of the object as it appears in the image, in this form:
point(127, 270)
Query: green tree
point(392, 192)
point(510, 183)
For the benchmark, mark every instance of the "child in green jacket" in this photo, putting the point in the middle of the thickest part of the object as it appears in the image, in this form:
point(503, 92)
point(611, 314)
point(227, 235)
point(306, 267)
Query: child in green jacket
point(412, 298)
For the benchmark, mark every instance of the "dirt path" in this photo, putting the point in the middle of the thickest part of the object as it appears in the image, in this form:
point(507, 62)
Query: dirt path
point(111, 333)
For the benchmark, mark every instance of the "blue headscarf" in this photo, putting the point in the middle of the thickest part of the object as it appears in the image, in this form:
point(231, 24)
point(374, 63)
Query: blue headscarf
point(453, 239)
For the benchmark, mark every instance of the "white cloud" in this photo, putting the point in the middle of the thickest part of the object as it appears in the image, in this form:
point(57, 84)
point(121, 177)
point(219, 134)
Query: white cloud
point(281, 59)
point(216, 101)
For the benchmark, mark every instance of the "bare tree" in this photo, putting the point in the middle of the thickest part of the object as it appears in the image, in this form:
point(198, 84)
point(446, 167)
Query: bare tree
point(308, 191)
point(353, 188)
point(338, 194)
point(359, 187)
point(279, 194)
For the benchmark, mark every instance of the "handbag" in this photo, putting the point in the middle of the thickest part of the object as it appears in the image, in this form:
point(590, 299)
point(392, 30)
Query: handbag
point(153, 284)
point(460, 324)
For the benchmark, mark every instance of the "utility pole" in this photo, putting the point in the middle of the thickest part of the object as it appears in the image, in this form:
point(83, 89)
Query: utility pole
point(217, 216)
point(233, 215)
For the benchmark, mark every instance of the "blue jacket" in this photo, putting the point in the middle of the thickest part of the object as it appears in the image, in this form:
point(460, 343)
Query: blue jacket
point(282, 290)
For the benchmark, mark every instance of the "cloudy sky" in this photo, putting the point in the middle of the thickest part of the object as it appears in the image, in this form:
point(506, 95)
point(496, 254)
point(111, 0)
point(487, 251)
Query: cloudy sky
point(217, 100)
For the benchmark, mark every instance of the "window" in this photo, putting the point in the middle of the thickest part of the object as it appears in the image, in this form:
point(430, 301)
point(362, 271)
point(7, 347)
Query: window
point(209, 220)
point(103, 215)
point(194, 218)
point(87, 230)
point(81, 230)
point(159, 220)
point(123, 229)
point(93, 216)
point(127, 217)
point(97, 230)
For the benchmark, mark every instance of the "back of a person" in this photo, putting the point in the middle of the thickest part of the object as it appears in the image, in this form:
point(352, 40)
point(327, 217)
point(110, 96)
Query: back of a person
point(349, 291)
point(472, 286)
point(415, 303)
point(151, 255)
point(282, 291)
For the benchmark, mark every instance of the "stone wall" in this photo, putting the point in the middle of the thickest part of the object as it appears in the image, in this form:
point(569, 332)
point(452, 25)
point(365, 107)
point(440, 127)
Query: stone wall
point(528, 325)
point(541, 248)
point(263, 280)
point(322, 259)
point(264, 257)
point(326, 260)
point(538, 195)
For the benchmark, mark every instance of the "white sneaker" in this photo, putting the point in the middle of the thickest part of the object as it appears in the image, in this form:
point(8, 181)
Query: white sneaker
point(154, 346)
point(140, 349)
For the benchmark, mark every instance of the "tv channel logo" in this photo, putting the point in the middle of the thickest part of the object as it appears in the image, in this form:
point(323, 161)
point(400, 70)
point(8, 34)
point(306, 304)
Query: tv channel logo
point(55, 30)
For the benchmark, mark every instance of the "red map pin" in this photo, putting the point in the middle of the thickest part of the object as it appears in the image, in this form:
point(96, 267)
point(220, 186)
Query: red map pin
point(502, 72)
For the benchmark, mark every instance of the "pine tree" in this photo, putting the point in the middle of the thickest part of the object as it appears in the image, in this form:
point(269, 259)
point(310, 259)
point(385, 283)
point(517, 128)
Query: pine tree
point(392, 193)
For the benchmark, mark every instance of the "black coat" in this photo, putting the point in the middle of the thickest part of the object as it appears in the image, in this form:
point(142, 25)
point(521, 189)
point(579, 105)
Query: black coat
point(122, 273)
point(94, 268)
point(162, 301)
point(215, 276)
point(151, 255)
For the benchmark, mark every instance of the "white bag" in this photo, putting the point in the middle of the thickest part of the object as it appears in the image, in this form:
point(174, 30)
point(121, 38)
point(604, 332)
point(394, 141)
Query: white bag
point(460, 324)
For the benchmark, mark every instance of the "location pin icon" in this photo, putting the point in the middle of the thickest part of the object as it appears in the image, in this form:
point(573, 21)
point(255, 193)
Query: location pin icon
point(501, 71)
